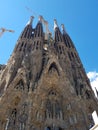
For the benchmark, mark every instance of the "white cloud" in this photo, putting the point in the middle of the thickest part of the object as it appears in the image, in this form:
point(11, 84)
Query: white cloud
point(93, 76)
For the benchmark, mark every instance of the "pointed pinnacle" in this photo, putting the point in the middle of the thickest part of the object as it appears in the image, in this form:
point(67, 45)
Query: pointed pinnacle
point(41, 19)
point(55, 24)
point(63, 28)
point(30, 21)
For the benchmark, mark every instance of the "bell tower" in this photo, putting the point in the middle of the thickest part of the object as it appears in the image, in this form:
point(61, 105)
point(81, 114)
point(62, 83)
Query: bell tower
point(44, 85)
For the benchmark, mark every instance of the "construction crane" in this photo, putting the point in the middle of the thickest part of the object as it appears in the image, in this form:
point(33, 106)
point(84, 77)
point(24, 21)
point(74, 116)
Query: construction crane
point(2, 30)
point(31, 11)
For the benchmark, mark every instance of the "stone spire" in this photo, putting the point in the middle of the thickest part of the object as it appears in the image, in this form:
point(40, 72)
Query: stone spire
point(39, 28)
point(58, 35)
point(30, 20)
point(63, 28)
point(55, 24)
point(40, 18)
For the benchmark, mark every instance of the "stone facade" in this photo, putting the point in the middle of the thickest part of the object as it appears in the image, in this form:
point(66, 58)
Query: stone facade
point(44, 85)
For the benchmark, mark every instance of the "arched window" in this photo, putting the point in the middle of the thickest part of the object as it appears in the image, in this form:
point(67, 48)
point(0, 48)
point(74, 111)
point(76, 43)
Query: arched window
point(25, 34)
point(53, 68)
point(24, 48)
point(69, 56)
point(22, 44)
point(37, 45)
point(68, 43)
point(63, 49)
point(72, 54)
point(53, 109)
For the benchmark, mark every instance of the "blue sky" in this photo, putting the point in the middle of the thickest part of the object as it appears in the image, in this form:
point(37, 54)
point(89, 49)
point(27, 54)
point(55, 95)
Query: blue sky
point(80, 18)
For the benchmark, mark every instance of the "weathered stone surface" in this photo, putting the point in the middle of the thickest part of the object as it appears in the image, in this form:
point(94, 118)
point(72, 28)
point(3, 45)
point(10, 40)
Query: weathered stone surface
point(44, 85)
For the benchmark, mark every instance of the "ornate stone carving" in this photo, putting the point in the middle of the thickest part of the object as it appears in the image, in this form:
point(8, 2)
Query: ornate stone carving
point(20, 85)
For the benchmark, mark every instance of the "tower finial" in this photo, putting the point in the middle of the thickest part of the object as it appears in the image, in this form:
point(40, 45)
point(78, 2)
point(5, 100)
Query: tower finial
point(30, 21)
point(63, 28)
point(55, 24)
point(40, 18)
